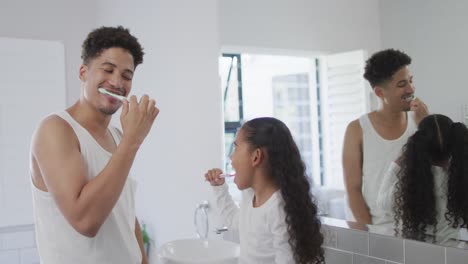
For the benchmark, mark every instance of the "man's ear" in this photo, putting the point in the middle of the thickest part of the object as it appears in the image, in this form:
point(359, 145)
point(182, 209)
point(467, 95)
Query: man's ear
point(378, 90)
point(83, 72)
point(257, 156)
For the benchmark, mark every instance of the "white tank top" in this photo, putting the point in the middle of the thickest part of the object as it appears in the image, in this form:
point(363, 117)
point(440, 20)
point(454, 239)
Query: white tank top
point(378, 154)
point(58, 242)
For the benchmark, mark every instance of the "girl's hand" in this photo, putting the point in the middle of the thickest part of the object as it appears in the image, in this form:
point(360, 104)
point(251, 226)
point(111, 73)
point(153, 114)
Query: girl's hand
point(213, 176)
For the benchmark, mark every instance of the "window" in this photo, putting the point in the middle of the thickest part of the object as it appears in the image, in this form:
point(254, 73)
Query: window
point(315, 97)
point(230, 71)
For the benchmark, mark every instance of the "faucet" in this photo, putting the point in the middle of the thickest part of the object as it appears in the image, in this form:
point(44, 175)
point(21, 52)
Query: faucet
point(203, 208)
point(220, 230)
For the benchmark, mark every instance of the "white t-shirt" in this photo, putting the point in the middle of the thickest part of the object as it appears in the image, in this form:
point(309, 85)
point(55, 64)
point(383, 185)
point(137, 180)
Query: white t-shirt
point(262, 230)
point(115, 243)
point(385, 200)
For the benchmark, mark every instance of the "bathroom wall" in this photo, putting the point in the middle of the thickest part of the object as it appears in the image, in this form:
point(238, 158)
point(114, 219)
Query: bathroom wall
point(433, 33)
point(309, 25)
point(65, 21)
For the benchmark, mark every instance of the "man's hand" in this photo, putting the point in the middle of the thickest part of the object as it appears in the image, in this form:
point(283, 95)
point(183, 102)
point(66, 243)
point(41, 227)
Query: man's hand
point(137, 118)
point(420, 110)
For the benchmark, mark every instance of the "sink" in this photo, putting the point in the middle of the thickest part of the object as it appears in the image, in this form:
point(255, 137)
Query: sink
point(198, 251)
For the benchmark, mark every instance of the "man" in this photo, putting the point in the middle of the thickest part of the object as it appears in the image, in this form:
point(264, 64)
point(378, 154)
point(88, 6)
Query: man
point(83, 197)
point(374, 140)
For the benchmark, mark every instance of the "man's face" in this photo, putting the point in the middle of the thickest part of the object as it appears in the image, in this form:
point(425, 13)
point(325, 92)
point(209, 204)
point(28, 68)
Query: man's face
point(112, 70)
point(396, 93)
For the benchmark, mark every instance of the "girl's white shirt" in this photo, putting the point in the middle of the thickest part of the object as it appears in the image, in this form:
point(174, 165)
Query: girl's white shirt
point(262, 230)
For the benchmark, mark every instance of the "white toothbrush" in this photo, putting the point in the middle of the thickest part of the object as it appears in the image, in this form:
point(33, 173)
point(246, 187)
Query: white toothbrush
point(227, 175)
point(104, 91)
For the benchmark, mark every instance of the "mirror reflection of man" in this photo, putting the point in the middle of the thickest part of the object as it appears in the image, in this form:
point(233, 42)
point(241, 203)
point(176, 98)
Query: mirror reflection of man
point(374, 140)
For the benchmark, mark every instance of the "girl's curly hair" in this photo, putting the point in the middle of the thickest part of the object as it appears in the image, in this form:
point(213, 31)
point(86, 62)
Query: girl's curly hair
point(288, 171)
point(438, 141)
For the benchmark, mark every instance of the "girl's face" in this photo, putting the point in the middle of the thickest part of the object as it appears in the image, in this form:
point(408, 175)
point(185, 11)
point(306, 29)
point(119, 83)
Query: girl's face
point(242, 161)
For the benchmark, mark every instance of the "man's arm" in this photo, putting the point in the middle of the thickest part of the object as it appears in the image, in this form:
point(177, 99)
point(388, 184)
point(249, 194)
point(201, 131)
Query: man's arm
point(85, 204)
point(352, 172)
point(56, 155)
point(139, 238)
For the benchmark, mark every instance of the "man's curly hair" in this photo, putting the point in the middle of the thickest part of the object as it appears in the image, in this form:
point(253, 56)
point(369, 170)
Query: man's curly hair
point(381, 66)
point(104, 38)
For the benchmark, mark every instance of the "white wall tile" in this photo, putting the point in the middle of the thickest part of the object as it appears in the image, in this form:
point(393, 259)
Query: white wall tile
point(29, 256)
point(18, 240)
point(10, 257)
point(456, 256)
point(338, 256)
point(360, 259)
point(385, 247)
point(354, 241)
point(330, 239)
point(423, 253)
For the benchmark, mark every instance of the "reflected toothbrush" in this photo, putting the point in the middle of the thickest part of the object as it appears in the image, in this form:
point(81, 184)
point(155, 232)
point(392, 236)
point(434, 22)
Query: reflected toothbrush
point(104, 91)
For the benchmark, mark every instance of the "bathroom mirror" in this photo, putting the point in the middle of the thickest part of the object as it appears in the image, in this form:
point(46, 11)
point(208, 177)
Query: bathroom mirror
point(430, 32)
point(427, 31)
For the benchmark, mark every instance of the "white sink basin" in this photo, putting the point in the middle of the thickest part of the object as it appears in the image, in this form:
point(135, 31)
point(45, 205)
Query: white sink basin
point(198, 251)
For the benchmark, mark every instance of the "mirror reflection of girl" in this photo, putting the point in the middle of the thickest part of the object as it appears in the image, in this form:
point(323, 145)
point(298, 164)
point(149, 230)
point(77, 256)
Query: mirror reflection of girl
point(427, 188)
point(277, 219)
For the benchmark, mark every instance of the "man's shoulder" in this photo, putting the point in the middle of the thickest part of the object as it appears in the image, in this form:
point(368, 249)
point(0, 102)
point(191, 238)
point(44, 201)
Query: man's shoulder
point(53, 126)
point(354, 126)
point(53, 121)
point(354, 131)
point(53, 134)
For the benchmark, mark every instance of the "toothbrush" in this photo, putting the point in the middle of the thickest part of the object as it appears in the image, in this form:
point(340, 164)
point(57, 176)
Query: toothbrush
point(227, 175)
point(104, 91)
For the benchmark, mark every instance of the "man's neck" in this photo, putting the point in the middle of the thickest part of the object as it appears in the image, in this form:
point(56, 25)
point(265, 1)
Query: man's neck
point(90, 118)
point(387, 116)
point(390, 125)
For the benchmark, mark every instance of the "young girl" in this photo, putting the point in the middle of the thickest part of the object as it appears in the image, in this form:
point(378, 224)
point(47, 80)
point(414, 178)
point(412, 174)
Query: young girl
point(277, 220)
point(427, 187)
